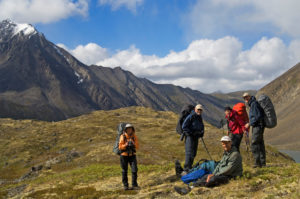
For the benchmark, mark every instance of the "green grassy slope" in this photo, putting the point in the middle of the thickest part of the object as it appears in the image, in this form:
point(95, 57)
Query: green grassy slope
point(83, 165)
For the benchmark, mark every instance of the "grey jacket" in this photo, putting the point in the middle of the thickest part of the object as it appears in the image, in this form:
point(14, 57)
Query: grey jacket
point(230, 164)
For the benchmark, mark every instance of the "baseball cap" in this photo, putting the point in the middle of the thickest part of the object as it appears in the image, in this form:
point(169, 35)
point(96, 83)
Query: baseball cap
point(225, 139)
point(246, 95)
point(128, 126)
point(199, 106)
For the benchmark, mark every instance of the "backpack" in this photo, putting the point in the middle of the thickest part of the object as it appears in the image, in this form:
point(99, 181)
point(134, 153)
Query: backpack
point(120, 130)
point(185, 111)
point(266, 104)
point(240, 108)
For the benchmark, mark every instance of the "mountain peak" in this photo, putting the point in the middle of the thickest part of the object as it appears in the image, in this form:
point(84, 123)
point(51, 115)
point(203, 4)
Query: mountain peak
point(9, 29)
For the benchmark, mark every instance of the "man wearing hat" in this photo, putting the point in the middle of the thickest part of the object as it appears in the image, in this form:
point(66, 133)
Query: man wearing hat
point(193, 129)
point(229, 167)
point(256, 120)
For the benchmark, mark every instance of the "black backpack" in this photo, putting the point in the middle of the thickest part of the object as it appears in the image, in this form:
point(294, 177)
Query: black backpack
point(266, 104)
point(185, 111)
point(120, 130)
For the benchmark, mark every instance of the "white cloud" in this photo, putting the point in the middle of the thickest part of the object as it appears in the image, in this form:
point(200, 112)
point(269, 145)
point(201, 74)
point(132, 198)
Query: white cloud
point(116, 4)
point(205, 65)
point(89, 54)
point(41, 11)
point(222, 17)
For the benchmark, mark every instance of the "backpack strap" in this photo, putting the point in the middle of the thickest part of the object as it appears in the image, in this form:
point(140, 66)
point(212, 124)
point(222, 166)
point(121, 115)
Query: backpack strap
point(125, 139)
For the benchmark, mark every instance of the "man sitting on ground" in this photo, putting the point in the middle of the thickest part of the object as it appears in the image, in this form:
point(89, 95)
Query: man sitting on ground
point(229, 167)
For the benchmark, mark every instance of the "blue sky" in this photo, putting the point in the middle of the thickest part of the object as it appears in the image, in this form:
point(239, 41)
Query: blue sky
point(208, 45)
point(155, 27)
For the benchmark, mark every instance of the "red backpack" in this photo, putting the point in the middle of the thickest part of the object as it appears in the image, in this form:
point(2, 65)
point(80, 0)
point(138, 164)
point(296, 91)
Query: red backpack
point(240, 108)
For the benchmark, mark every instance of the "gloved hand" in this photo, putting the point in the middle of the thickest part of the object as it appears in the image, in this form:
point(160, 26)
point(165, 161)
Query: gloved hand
point(199, 134)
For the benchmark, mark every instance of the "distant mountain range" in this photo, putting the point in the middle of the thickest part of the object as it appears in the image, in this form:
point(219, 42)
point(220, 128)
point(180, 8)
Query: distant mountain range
point(285, 94)
point(39, 80)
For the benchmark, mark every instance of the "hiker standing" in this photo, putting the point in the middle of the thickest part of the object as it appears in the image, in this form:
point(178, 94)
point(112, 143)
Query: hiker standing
point(256, 117)
point(127, 145)
point(236, 126)
point(193, 129)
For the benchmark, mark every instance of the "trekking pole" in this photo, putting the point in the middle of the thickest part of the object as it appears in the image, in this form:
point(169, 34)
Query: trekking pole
point(247, 141)
point(206, 148)
point(222, 124)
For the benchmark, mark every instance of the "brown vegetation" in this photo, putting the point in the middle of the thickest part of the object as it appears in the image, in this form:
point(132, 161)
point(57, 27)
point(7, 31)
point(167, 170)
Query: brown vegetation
point(78, 162)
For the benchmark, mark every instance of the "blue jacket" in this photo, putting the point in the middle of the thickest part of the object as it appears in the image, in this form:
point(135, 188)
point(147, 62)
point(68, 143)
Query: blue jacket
point(256, 114)
point(193, 125)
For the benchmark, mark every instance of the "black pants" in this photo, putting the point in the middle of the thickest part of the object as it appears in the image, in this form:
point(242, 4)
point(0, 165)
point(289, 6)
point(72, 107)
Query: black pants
point(191, 146)
point(236, 140)
point(131, 160)
point(258, 145)
point(214, 181)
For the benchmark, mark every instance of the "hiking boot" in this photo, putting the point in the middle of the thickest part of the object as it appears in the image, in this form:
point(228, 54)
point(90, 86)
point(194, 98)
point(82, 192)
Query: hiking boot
point(182, 190)
point(178, 168)
point(126, 188)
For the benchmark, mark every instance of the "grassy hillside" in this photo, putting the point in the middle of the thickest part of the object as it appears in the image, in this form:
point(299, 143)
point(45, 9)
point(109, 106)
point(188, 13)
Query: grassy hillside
point(234, 97)
point(78, 162)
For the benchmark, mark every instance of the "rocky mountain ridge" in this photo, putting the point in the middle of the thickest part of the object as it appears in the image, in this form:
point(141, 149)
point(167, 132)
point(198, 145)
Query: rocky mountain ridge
point(39, 80)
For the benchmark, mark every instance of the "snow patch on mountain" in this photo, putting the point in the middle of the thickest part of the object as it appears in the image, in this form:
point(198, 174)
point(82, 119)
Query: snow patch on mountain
point(25, 28)
point(80, 80)
point(59, 52)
